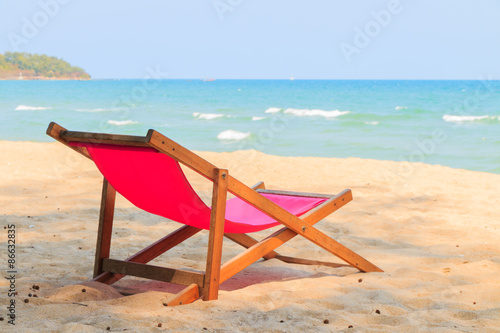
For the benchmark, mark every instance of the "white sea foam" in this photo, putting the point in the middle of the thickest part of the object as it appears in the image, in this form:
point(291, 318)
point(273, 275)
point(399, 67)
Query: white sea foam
point(207, 116)
point(401, 107)
point(232, 135)
point(315, 112)
point(273, 110)
point(461, 119)
point(371, 122)
point(258, 118)
point(31, 108)
point(122, 122)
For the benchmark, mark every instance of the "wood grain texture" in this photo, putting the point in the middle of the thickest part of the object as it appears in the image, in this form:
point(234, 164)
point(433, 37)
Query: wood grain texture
point(283, 235)
point(102, 138)
point(216, 235)
point(295, 194)
point(152, 251)
point(105, 227)
point(259, 185)
point(186, 296)
point(177, 276)
point(181, 154)
point(164, 244)
point(300, 261)
point(54, 130)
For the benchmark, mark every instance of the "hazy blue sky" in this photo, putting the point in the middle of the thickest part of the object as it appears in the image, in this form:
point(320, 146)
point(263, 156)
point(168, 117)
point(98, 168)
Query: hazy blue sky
point(327, 39)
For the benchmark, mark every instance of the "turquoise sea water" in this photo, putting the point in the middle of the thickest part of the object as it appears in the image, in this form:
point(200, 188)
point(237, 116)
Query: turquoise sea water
point(452, 123)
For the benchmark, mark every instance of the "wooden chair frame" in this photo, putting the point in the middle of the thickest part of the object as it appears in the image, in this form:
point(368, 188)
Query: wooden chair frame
point(206, 285)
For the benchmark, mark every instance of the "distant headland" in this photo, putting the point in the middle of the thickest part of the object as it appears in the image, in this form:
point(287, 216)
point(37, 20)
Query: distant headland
point(27, 66)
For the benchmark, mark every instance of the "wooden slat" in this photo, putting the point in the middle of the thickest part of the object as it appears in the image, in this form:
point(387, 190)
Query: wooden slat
point(295, 194)
point(329, 206)
point(165, 274)
point(152, 251)
point(181, 154)
point(325, 209)
point(300, 261)
point(281, 236)
point(246, 241)
point(114, 139)
point(105, 228)
point(254, 253)
point(216, 235)
point(186, 296)
point(164, 244)
point(54, 130)
point(259, 185)
point(320, 212)
point(299, 226)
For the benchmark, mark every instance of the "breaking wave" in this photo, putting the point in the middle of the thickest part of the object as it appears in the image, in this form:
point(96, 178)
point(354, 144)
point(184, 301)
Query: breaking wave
point(122, 122)
point(315, 112)
point(207, 116)
point(273, 110)
point(461, 119)
point(232, 135)
point(31, 108)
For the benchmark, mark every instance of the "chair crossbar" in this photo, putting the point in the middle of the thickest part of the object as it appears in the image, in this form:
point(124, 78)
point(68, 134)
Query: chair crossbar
point(152, 251)
point(247, 242)
point(302, 227)
point(165, 274)
point(101, 138)
point(301, 261)
point(163, 245)
point(296, 194)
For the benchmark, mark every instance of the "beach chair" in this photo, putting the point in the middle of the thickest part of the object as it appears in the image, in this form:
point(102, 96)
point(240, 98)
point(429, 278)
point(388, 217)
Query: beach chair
point(146, 171)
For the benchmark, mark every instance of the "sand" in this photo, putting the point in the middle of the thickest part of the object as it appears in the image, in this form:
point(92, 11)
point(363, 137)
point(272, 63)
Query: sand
point(434, 230)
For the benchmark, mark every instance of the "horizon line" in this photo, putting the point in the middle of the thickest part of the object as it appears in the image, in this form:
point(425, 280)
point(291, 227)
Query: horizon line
point(280, 79)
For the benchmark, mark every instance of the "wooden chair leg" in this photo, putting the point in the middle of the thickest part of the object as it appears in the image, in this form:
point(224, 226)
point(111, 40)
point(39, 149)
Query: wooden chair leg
point(105, 226)
point(216, 236)
point(247, 242)
point(269, 244)
point(152, 251)
point(186, 296)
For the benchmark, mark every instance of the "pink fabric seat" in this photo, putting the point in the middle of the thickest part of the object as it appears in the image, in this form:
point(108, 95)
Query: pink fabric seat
point(155, 183)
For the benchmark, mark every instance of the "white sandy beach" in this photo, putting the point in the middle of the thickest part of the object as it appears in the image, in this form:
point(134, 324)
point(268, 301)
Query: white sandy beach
point(434, 230)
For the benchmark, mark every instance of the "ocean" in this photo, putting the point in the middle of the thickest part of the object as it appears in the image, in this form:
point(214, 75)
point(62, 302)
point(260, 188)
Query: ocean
point(451, 123)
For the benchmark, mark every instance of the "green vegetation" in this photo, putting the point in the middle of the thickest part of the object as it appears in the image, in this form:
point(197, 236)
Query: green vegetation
point(35, 66)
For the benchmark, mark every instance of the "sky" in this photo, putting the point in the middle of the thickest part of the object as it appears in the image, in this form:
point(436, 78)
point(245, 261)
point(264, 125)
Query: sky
point(258, 39)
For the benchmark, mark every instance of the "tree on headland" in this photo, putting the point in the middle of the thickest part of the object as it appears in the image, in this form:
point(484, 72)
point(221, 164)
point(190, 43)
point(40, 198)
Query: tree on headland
point(38, 66)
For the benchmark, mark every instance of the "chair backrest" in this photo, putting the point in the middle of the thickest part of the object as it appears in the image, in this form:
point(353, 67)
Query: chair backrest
point(150, 180)
point(155, 182)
